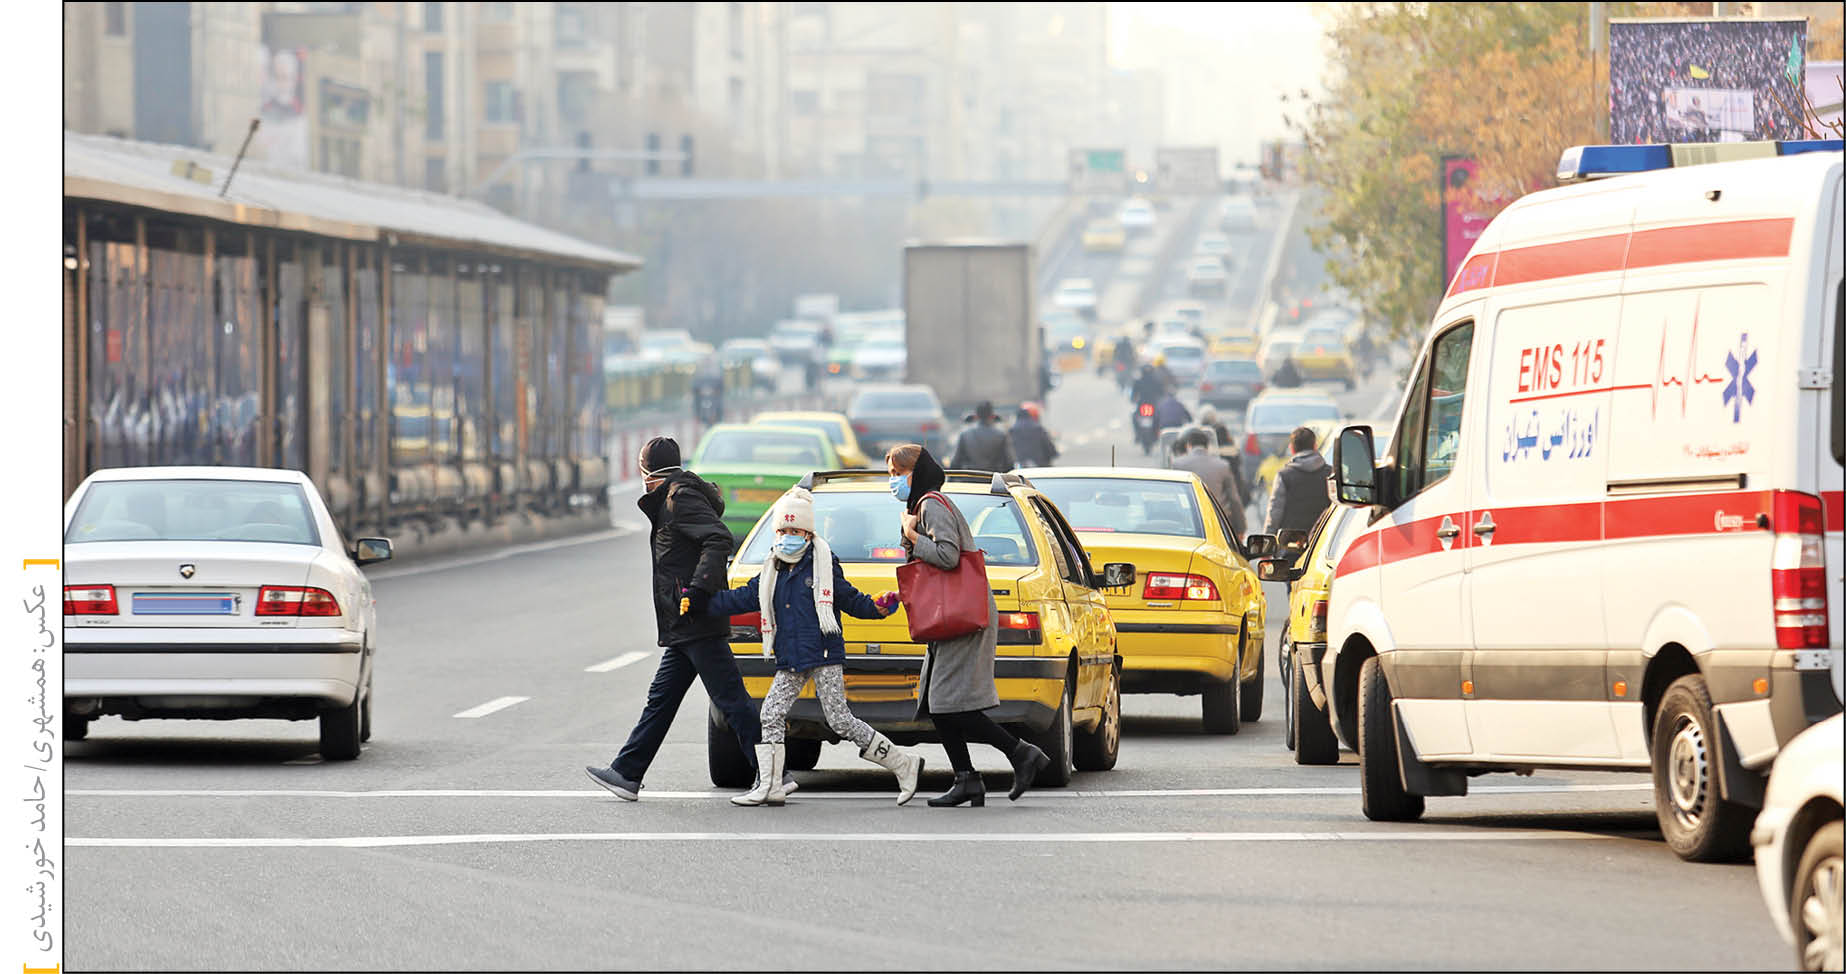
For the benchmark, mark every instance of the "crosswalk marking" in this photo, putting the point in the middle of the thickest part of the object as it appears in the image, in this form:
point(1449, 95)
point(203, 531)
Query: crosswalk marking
point(1022, 838)
point(498, 703)
point(616, 663)
point(806, 794)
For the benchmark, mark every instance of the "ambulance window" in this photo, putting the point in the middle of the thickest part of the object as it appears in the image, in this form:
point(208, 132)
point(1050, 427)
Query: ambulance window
point(1431, 434)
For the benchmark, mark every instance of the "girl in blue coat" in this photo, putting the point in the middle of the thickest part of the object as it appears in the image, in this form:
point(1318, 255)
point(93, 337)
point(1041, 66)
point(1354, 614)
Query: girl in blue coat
point(801, 629)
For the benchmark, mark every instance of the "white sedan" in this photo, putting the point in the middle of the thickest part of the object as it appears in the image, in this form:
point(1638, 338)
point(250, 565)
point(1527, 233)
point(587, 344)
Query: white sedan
point(216, 593)
point(1206, 274)
point(1076, 294)
point(1797, 839)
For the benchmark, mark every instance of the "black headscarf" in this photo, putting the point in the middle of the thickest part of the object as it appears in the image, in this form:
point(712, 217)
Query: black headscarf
point(924, 477)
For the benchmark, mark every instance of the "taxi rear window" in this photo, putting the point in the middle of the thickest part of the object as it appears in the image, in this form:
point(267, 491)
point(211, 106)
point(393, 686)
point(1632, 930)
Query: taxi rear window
point(863, 527)
point(1124, 506)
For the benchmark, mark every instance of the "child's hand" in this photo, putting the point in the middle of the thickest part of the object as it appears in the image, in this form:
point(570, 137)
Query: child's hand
point(887, 603)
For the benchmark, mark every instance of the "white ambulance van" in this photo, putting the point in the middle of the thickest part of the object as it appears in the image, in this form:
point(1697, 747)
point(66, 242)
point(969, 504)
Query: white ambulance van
point(1608, 532)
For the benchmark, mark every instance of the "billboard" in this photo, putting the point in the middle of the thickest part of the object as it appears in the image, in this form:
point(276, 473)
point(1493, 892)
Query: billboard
point(1705, 80)
point(1463, 216)
point(1188, 170)
point(283, 138)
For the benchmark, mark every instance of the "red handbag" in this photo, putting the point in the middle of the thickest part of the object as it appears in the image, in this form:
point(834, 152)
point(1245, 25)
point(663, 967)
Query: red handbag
point(942, 604)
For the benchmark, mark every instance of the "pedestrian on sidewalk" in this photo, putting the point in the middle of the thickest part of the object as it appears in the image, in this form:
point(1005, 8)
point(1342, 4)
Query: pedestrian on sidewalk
point(689, 547)
point(956, 687)
point(800, 593)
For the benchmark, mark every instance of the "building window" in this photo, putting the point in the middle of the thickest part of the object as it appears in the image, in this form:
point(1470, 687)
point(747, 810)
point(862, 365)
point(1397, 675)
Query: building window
point(571, 25)
point(685, 149)
point(497, 13)
point(804, 101)
point(500, 102)
point(432, 17)
point(436, 174)
point(737, 29)
point(895, 96)
point(653, 146)
point(433, 92)
point(115, 19)
point(576, 92)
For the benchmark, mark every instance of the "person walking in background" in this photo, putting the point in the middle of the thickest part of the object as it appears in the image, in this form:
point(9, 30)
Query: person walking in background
point(1031, 442)
point(1300, 492)
point(984, 445)
point(800, 593)
point(689, 548)
point(957, 683)
point(1216, 474)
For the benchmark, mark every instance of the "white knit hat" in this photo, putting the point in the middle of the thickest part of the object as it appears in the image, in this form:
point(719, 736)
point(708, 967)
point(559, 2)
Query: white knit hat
point(794, 510)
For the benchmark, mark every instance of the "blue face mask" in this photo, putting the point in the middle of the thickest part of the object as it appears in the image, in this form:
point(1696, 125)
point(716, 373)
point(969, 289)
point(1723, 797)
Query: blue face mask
point(790, 546)
point(900, 487)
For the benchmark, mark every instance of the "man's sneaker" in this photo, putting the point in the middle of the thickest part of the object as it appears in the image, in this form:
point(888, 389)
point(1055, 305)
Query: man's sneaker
point(612, 779)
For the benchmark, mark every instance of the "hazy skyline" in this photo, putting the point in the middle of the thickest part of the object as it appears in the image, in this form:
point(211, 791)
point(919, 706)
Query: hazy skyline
point(1227, 66)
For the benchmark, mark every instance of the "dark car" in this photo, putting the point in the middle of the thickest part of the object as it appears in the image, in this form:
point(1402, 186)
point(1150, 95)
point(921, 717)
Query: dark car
point(1230, 383)
point(885, 415)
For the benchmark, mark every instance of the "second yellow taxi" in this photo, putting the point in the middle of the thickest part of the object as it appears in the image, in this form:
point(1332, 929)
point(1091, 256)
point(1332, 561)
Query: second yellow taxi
point(835, 425)
point(1193, 620)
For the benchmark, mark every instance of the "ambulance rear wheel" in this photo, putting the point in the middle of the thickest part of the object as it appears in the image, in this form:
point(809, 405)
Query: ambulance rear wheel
point(1698, 824)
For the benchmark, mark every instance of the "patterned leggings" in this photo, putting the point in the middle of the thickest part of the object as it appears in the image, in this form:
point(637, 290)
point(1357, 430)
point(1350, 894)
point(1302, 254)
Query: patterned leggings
point(830, 687)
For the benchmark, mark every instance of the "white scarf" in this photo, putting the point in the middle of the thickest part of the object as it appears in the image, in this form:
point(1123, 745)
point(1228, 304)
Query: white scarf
point(823, 593)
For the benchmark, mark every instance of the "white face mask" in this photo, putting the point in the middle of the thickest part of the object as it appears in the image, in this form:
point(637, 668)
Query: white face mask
point(789, 547)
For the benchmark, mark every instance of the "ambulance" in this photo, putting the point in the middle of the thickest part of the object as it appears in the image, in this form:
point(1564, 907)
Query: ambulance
point(1607, 535)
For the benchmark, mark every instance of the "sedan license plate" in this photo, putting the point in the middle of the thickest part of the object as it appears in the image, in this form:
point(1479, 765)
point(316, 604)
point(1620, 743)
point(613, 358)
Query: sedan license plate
point(753, 495)
point(184, 604)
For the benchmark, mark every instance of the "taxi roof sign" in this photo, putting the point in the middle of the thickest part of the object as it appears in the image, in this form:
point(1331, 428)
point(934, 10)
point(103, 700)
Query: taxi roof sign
point(1593, 161)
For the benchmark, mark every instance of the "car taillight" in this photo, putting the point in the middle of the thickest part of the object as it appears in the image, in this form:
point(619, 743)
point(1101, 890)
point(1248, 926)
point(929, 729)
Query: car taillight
point(295, 600)
point(1169, 585)
point(1147, 409)
point(931, 426)
point(89, 600)
point(1018, 628)
point(1257, 388)
point(747, 628)
point(1204, 387)
point(1798, 571)
point(861, 428)
point(1317, 620)
point(1249, 445)
point(833, 367)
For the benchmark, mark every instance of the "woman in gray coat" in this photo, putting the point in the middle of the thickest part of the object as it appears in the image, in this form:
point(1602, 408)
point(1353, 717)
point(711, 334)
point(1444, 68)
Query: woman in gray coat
point(957, 684)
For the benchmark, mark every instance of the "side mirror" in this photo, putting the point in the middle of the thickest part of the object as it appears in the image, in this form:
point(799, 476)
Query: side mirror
point(1259, 545)
point(1291, 541)
point(1355, 468)
point(1118, 574)
point(369, 550)
point(1276, 570)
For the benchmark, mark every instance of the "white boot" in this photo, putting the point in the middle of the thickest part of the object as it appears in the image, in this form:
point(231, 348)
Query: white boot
point(768, 790)
point(907, 765)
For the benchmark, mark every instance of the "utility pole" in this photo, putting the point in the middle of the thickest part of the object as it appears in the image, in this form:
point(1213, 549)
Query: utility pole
point(1599, 45)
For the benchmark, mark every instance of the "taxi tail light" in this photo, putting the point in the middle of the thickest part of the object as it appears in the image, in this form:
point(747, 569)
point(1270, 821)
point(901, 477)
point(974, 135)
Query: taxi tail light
point(89, 600)
point(747, 627)
point(1020, 628)
point(1250, 446)
point(295, 600)
point(1798, 571)
point(1317, 619)
point(1177, 587)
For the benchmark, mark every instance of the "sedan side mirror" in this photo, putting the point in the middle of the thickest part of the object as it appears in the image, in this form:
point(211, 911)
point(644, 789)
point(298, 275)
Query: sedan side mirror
point(1276, 570)
point(1118, 574)
point(1259, 545)
point(1291, 541)
point(1355, 467)
point(369, 550)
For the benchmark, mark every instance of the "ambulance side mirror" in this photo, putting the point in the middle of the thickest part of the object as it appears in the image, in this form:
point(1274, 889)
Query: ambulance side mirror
point(1354, 467)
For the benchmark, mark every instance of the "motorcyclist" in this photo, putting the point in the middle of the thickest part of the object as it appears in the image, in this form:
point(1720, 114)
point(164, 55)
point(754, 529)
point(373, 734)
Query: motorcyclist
point(1147, 387)
point(1169, 411)
point(1124, 358)
point(1168, 381)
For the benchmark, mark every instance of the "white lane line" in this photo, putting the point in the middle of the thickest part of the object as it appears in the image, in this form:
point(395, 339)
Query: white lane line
point(806, 795)
point(498, 703)
point(1022, 838)
point(524, 549)
point(616, 663)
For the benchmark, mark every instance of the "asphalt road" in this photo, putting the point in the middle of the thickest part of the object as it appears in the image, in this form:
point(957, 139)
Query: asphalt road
point(467, 836)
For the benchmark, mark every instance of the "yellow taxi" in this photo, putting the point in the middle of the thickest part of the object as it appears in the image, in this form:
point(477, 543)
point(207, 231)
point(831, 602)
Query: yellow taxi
point(1324, 354)
point(835, 425)
point(1104, 236)
point(1235, 345)
point(1306, 565)
point(1193, 620)
point(1057, 670)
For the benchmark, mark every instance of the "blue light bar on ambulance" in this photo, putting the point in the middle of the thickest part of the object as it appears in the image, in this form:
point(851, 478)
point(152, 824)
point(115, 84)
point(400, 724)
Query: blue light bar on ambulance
point(1592, 161)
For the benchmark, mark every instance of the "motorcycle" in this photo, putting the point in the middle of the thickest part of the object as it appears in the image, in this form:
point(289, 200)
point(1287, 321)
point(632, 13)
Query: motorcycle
point(1145, 433)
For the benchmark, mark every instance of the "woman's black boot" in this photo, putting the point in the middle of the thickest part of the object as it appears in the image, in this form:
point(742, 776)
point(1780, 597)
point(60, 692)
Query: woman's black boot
point(1028, 761)
point(968, 788)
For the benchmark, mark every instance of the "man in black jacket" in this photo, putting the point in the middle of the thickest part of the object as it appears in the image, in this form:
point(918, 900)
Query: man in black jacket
point(1300, 491)
point(984, 445)
point(690, 546)
point(1032, 446)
